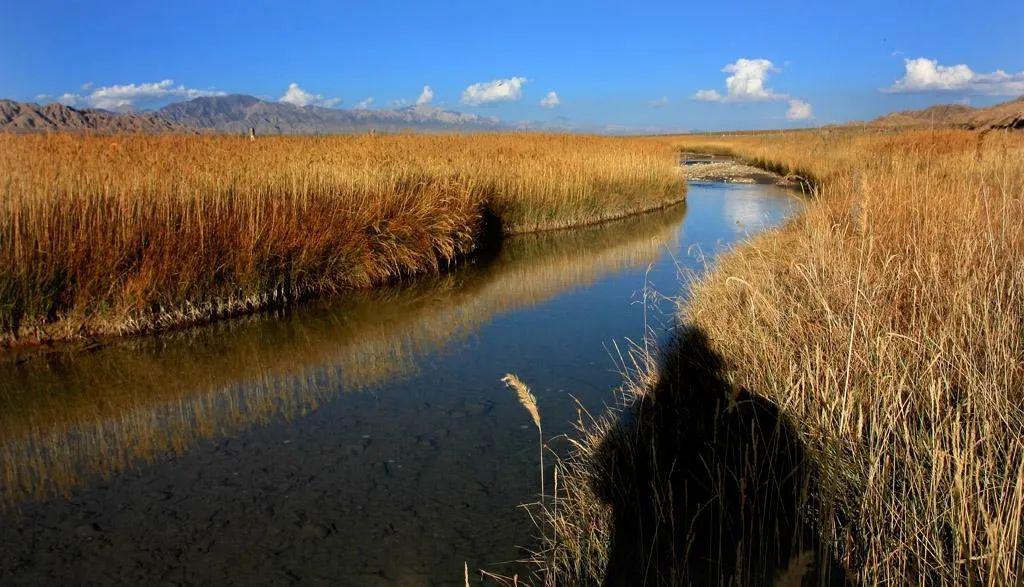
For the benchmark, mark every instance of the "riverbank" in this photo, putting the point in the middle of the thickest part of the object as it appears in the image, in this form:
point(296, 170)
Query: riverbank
point(861, 366)
point(103, 236)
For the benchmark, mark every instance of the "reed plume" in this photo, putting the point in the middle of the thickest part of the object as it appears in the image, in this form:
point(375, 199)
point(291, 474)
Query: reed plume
point(529, 401)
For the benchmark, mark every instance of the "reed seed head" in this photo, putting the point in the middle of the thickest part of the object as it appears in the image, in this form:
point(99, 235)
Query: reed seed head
point(526, 398)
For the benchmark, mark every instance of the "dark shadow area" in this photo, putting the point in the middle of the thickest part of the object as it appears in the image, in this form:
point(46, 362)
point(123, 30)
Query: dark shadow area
point(708, 485)
point(492, 231)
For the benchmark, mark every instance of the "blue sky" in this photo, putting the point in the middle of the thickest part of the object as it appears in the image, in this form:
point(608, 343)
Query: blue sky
point(610, 64)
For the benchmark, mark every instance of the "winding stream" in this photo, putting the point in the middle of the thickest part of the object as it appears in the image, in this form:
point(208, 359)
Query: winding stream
point(361, 441)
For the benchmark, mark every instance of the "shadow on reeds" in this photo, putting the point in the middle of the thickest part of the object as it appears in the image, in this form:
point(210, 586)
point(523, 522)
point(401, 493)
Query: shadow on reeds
point(706, 485)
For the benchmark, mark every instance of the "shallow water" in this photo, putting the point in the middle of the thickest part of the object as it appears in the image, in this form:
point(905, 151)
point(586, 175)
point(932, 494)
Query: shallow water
point(362, 441)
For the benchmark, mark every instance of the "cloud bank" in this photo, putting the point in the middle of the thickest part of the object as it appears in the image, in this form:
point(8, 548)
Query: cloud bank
point(550, 100)
point(131, 96)
point(299, 97)
point(493, 92)
point(364, 103)
point(927, 75)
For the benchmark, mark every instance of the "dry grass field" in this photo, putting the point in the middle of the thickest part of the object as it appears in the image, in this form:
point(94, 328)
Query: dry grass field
point(885, 326)
point(132, 233)
point(873, 346)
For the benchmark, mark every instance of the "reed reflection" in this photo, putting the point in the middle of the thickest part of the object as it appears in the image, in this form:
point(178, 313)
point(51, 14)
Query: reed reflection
point(70, 416)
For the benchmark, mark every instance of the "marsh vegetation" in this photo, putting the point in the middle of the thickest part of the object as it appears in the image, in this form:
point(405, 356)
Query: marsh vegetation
point(884, 326)
point(125, 234)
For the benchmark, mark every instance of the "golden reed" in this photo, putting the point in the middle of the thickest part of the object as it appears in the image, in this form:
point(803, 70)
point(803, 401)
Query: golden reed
point(886, 323)
point(123, 234)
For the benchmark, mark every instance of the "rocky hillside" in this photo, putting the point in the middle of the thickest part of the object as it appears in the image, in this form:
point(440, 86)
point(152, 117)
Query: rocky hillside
point(1006, 115)
point(27, 117)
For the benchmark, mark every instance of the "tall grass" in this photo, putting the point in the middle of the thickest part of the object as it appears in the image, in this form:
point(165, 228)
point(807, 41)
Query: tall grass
point(886, 323)
point(108, 235)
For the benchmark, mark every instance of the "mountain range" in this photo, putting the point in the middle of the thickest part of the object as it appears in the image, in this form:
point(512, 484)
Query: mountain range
point(23, 117)
point(238, 113)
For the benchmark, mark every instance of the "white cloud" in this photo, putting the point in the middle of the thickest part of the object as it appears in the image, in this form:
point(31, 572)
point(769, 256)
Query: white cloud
point(131, 96)
point(746, 84)
point(550, 100)
point(364, 103)
point(425, 96)
point(500, 90)
point(69, 99)
point(707, 96)
point(927, 75)
point(43, 97)
point(663, 101)
point(299, 97)
point(798, 110)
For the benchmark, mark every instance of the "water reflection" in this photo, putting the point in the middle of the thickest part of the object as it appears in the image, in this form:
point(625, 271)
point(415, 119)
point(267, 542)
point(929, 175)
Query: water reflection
point(67, 417)
point(746, 211)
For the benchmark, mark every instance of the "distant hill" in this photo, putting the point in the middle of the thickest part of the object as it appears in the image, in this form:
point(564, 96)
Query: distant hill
point(25, 117)
point(1006, 115)
point(238, 113)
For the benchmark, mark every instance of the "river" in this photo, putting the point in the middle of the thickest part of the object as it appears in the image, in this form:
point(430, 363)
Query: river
point(366, 440)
